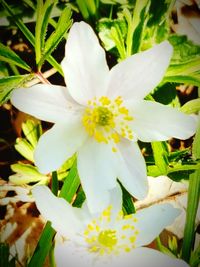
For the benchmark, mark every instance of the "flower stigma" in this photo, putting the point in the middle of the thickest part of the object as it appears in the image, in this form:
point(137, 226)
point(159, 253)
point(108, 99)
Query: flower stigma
point(109, 234)
point(107, 120)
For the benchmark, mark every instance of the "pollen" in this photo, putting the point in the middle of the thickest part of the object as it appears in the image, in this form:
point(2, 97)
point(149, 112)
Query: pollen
point(107, 120)
point(111, 233)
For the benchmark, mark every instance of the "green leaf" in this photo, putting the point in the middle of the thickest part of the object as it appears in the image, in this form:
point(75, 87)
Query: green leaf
point(157, 10)
point(184, 49)
point(32, 130)
point(80, 198)
point(109, 37)
point(25, 173)
point(7, 84)
point(166, 94)
point(9, 56)
point(4, 256)
point(128, 205)
point(164, 249)
point(71, 184)
point(193, 79)
point(63, 25)
point(43, 247)
point(192, 203)
point(54, 184)
point(43, 12)
point(160, 154)
point(24, 148)
point(192, 106)
point(195, 257)
point(139, 23)
point(30, 37)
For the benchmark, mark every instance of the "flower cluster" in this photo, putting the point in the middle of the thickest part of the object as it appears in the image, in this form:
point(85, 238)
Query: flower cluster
point(100, 116)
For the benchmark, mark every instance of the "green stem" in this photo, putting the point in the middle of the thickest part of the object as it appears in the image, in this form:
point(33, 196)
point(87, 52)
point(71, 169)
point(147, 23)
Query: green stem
point(192, 205)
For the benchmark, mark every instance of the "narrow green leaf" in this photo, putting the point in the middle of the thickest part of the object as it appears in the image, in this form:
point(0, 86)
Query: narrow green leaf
point(43, 247)
point(195, 257)
point(9, 56)
point(160, 154)
point(80, 198)
point(91, 6)
point(83, 9)
point(193, 79)
point(4, 255)
point(43, 12)
point(48, 6)
point(164, 249)
point(30, 37)
point(128, 205)
point(139, 22)
point(38, 26)
point(7, 84)
point(118, 39)
point(54, 184)
point(192, 203)
point(63, 25)
point(71, 184)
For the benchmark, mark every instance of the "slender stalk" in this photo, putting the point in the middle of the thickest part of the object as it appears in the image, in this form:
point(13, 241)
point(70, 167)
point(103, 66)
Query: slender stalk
point(192, 203)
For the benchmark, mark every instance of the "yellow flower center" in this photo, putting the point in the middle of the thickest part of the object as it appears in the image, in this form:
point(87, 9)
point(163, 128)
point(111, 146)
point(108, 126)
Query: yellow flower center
point(102, 239)
point(107, 120)
point(107, 238)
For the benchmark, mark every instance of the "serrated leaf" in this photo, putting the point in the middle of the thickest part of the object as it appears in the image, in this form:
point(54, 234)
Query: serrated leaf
point(28, 34)
point(9, 56)
point(63, 25)
point(43, 12)
point(7, 84)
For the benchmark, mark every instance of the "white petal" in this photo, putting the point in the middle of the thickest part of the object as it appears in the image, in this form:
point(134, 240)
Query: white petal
point(156, 122)
point(71, 254)
point(132, 171)
point(84, 65)
point(139, 74)
point(46, 102)
point(97, 170)
point(58, 144)
point(146, 257)
point(152, 220)
point(56, 210)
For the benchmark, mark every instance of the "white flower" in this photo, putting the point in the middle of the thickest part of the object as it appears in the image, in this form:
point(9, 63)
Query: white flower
point(108, 238)
point(101, 114)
